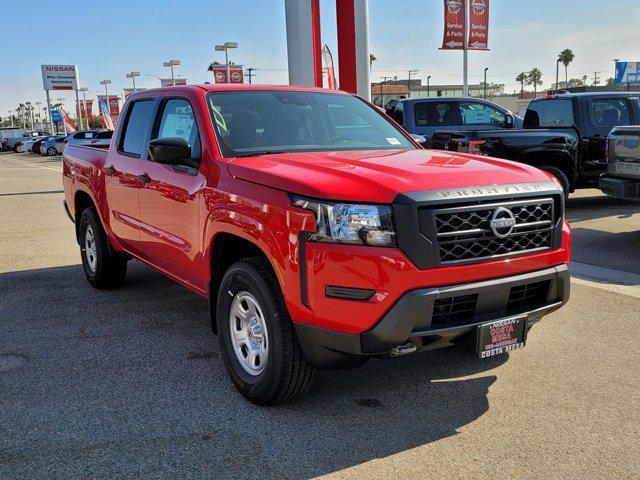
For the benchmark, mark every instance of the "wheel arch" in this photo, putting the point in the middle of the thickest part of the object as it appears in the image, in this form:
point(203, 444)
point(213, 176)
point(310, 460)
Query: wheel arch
point(560, 159)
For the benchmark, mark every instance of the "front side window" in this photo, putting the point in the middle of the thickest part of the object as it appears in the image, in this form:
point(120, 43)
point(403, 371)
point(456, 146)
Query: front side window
point(550, 113)
point(178, 120)
point(136, 127)
point(475, 113)
point(250, 122)
point(435, 114)
point(609, 112)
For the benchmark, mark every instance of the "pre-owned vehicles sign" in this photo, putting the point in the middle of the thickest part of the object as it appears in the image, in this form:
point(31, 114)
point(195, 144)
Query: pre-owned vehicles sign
point(60, 77)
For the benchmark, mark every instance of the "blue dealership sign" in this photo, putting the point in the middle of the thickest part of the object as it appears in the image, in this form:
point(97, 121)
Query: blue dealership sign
point(627, 72)
point(56, 116)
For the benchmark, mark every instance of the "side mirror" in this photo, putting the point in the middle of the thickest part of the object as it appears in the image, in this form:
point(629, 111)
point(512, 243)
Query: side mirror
point(418, 138)
point(509, 121)
point(170, 151)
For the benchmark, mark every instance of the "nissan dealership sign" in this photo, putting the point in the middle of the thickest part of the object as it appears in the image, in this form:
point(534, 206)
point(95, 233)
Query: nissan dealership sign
point(60, 77)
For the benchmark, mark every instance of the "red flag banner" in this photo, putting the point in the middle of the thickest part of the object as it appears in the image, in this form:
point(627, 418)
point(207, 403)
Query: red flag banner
point(328, 68)
point(454, 24)
point(478, 38)
point(68, 124)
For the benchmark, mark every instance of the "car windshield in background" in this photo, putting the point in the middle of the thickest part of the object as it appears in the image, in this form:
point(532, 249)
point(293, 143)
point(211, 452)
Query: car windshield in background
point(251, 122)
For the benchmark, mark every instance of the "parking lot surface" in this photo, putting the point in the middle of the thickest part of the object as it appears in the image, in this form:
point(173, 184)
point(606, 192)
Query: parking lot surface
point(128, 383)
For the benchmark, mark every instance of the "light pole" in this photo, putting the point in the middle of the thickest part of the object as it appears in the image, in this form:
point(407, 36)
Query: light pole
point(38, 110)
point(225, 47)
point(11, 116)
point(171, 64)
point(485, 82)
point(411, 72)
point(557, 69)
point(428, 93)
point(132, 75)
point(85, 109)
point(106, 92)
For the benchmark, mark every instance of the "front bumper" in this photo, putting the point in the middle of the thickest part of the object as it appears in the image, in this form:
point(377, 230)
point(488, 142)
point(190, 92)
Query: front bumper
point(621, 188)
point(411, 318)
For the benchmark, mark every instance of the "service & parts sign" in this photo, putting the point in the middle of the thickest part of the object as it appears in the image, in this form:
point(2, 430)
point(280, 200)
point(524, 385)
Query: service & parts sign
point(60, 77)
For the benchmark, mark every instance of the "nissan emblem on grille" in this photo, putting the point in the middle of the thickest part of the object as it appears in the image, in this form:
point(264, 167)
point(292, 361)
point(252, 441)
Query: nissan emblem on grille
point(502, 222)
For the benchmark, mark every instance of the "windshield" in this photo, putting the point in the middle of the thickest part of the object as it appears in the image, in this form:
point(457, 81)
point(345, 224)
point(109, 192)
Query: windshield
point(251, 122)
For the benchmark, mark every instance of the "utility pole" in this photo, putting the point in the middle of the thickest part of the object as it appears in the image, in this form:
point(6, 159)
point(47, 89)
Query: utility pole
point(485, 82)
point(557, 68)
point(428, 91)
point(411, 72)
point(596, 81)
point(250, 73)
point(384, 79)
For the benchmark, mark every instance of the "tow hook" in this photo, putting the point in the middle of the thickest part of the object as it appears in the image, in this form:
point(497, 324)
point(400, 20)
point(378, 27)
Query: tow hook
point(404, 349)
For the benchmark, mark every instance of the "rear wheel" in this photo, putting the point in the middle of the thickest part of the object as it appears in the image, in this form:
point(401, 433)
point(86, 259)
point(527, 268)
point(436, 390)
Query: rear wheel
point(560, 176)
point(257, 339)
point(103, 267)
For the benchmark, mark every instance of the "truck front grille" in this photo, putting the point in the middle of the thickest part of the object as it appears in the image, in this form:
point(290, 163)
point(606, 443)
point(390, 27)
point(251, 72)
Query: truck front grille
point(453, 310)
point(476, 232)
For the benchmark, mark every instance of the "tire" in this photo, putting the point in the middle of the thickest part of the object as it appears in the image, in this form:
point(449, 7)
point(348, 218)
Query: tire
point(51, 151)
point(560, 175)
point(103, 267)
point(250, 286)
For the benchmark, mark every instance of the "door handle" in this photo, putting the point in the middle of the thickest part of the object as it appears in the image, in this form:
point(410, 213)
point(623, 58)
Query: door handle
point(110, 170)
point(144, 178)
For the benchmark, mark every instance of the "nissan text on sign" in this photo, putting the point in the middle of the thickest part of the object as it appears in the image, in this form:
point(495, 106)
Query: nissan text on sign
point(60, 77)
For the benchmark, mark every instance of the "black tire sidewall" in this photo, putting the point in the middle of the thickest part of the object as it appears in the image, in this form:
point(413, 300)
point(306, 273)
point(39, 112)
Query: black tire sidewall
point(241, 277)
point(562, 178)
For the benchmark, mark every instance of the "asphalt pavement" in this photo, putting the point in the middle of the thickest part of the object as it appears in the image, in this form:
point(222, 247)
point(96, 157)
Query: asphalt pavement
point(129, 383)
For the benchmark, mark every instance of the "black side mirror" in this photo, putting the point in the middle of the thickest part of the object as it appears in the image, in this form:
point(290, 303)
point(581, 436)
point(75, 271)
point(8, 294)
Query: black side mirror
point(170, 151)
point(509, 121)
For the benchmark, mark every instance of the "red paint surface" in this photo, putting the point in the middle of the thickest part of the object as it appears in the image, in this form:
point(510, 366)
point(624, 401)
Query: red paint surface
point(346, 46)
point(172, 222)
point(317, 42)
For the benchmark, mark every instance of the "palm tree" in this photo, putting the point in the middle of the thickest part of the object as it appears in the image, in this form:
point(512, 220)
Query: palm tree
point(534, 77)
point(566, 56)
point(20, 112)
point(521, 78)
point(211, 65)
point(372, 58)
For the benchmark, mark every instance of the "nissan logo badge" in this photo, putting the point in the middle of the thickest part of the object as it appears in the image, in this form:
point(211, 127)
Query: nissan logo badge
point(502, 222)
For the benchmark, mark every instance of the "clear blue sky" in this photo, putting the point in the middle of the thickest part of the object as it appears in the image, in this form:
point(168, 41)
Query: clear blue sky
point(108, 39)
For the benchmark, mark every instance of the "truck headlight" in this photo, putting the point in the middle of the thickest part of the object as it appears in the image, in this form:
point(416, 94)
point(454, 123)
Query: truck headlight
point(351, 223)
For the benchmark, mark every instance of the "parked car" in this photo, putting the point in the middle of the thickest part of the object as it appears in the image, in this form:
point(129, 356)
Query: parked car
point(35, 146)
point(563, 134)
point(26, 146)
point(102, 139)
point(320, 232)
point(10, 136)
point(54, 146)
point(425, 116)
point(81, 137)
point(623, 156)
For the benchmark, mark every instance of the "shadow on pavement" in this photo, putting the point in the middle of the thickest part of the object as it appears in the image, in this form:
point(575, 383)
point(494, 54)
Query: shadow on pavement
point(129, 382)
point(599, 206)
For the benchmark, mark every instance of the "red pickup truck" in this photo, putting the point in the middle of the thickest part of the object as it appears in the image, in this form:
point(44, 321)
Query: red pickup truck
point(321, 233)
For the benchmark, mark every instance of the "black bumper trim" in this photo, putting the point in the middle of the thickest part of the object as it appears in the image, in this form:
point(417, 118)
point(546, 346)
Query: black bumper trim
point(620, 188)
point(410, 317)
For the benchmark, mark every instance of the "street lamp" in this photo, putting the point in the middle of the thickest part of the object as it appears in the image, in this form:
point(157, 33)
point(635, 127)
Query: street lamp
point(428, 93)
point(84, 91)
point(557, 69)
point(225, 47)
point(171, 64)
point(485, 82)
point(132, 75)
point(11, 116)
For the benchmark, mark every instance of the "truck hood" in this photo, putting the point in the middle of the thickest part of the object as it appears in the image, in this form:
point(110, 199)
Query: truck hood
point(378, 175)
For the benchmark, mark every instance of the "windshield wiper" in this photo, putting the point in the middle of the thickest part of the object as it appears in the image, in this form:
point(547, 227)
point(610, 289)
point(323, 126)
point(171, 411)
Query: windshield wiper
point(258, 154)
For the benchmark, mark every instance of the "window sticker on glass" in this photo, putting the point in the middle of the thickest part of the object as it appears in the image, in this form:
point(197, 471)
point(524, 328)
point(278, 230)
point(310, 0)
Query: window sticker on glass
point(393, 140)
point(177, 125)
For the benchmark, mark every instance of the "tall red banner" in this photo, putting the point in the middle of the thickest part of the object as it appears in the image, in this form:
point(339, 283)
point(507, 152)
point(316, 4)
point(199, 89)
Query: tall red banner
point(478, 38)
point(235, 72)
point(454, 24)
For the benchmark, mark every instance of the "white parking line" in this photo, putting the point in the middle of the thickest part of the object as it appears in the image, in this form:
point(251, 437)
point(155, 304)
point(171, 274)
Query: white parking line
point(616, 281)
point(30, 164)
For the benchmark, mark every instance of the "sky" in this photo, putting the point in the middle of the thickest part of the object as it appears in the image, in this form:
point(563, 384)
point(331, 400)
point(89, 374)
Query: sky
point(108, 39)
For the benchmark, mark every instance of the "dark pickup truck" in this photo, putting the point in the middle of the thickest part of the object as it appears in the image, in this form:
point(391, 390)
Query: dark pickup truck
point(564, 134)
point(623, 155)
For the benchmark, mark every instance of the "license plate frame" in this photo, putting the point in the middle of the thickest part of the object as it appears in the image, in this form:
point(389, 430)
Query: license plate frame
point(501, 336)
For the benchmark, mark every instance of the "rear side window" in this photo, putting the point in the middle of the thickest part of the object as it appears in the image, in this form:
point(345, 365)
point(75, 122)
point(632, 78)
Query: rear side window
point(476, 113)
point(178, 120)
point(435, 114)
point(136, 126)
point(549, 113)
point(609, 112)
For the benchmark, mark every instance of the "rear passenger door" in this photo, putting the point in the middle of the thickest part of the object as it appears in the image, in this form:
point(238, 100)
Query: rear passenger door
point(431, 116)
point(169, 197)
point(122, 169)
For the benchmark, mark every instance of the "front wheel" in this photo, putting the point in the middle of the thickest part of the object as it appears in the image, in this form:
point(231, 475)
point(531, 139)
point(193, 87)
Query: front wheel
point(560, 176)
point(257, 339)
point(51, 151)
point(103, 267)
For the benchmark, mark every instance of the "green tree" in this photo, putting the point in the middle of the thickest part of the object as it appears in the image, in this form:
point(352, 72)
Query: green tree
point(534, 78)
point(566, 56)
point(522, 79)
point(96, 123)
point(372, 58)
